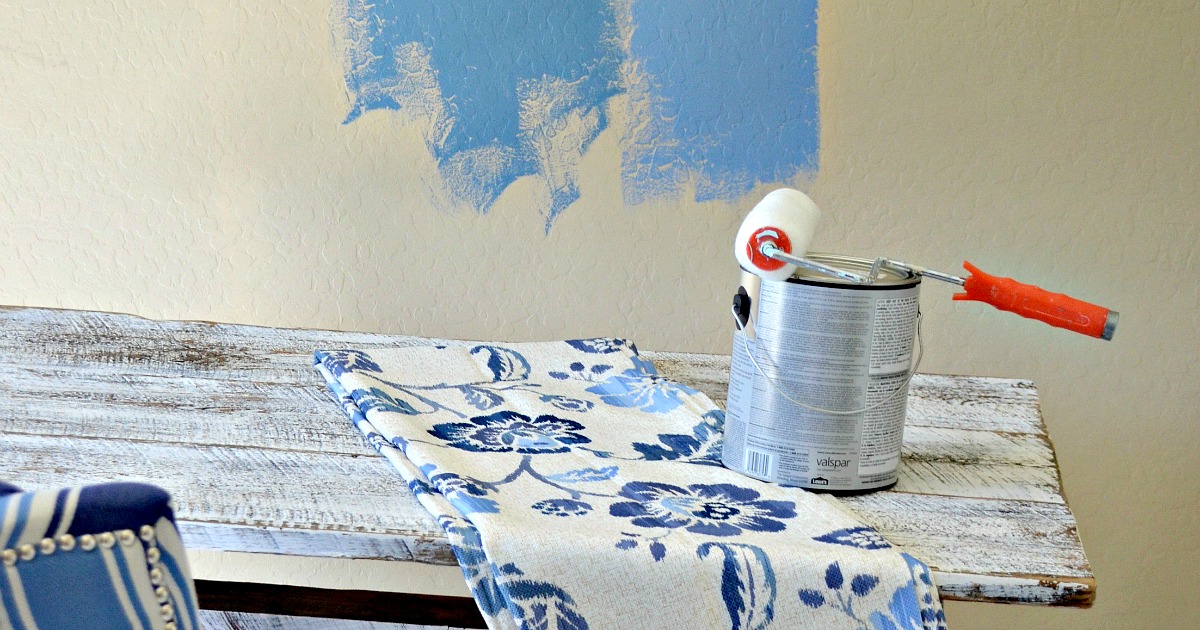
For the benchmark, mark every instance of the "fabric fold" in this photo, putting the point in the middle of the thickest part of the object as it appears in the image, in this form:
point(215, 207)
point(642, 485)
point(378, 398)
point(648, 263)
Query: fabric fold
point(580, 489)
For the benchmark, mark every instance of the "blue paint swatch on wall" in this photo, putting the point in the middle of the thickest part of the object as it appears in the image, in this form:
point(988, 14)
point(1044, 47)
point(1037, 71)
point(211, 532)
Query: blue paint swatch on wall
point(718, 94)
point(731, 95)
point(502, 80)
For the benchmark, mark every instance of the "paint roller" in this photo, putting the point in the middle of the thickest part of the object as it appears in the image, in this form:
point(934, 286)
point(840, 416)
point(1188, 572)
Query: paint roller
point(775, 235)
point(782, 223)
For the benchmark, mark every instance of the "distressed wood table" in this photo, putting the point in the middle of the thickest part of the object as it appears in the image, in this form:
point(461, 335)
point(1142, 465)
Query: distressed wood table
point(266, 470)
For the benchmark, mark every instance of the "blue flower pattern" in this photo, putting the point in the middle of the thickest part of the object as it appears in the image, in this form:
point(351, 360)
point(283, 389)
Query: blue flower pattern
point(710, 509)
point(648, 392)
point(720, 512)
point(511, 432)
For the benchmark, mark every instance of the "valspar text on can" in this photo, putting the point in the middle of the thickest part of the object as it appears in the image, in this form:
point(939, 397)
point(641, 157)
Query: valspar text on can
point(829, 345)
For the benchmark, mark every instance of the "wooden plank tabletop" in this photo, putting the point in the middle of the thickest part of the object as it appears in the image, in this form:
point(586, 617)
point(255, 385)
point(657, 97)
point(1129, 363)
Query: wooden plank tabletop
point(236, 424)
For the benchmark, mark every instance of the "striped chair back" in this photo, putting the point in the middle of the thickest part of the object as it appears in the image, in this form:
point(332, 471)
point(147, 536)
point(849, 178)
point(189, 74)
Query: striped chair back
point(104, 556)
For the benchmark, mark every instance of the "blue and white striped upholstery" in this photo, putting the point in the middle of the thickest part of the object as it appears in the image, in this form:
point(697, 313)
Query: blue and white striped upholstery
point(105, 556)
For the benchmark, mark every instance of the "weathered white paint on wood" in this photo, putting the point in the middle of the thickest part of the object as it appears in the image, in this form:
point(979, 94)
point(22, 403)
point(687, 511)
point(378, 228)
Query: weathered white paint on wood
point(1016, 589)
point(249, 499)
point(403, 546)
point(58, 400)
point(988, 536)
point(236, 424)
point(375, 574)
point(978, 464)
point(137, 346)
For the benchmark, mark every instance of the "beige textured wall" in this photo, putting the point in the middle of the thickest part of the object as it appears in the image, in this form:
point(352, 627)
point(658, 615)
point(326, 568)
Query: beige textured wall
point(188, 161)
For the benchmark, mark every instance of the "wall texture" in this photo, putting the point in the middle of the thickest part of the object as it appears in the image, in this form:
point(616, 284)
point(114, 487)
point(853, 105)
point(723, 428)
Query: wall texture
point(190, 161)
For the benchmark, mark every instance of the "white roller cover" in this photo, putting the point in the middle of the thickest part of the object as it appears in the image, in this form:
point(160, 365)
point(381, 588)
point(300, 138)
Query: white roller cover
point(786, 216)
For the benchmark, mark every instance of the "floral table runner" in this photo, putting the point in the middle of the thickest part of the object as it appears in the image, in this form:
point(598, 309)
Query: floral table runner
point(579, 489)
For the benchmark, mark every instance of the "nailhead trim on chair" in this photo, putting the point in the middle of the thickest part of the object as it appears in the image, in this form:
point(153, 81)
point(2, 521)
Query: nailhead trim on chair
point(105, 540)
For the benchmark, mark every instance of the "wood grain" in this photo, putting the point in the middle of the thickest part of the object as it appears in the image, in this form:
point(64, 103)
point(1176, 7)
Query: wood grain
point(235, 423)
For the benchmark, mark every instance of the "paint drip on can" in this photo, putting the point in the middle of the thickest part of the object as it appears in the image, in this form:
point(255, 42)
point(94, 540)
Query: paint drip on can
point(818, 384)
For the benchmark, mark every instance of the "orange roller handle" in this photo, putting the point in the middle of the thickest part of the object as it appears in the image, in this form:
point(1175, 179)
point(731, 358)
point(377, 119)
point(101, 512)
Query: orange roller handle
point(1033, 302)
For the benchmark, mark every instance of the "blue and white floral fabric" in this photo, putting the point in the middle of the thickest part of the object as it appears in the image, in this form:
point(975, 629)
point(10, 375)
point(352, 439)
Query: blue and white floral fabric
point(579, 489)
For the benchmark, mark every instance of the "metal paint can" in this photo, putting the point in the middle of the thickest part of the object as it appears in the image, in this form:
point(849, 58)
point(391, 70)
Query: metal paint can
point(818, 383)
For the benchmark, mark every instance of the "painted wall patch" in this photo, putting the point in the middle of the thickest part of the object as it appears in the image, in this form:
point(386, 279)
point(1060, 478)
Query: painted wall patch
point(720, 94)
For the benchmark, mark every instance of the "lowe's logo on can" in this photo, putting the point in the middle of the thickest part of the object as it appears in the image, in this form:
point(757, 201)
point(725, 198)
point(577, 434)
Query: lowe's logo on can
point(829, 462)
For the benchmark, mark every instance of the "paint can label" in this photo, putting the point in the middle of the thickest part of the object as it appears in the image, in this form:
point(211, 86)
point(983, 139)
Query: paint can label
point(818, 350)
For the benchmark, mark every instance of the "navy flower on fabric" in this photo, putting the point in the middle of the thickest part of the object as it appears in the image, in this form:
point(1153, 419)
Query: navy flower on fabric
point(511, 432)
point(636, 388)
point(562, 507)
point(717, 510)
